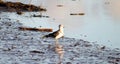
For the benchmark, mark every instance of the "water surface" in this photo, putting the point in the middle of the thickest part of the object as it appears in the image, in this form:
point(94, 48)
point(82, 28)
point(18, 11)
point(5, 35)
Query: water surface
point(101, 22)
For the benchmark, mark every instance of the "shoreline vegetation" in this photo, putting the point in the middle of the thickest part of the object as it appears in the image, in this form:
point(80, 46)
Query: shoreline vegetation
point(27, 47)
point(36, 29)
point(18, 6)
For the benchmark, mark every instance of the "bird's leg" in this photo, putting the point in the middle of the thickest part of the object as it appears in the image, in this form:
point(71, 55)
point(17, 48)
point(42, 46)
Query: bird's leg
point(59, 50)
point(56, 42)
point(62, 37)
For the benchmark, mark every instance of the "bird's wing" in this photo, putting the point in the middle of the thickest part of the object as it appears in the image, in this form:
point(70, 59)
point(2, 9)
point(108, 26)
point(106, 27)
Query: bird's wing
point(52, 34)
point(56, 32)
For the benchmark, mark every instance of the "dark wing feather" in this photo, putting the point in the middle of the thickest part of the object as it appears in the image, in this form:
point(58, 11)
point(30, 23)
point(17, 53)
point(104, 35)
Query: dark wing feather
point(54, 34)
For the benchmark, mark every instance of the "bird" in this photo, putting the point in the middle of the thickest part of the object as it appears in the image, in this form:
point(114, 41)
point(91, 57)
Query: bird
point(57, 34)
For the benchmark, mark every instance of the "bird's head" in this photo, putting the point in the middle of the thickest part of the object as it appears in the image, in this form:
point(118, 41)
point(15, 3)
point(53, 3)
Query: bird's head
point(61, 26)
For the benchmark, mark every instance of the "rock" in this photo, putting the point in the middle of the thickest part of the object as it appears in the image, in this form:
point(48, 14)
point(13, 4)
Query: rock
point(102, 48)
point(88, 45)
point(77, 44)
point(7, 49)
point(35, 51)
point(0, 28)
point(19, 13)
point(68, 63)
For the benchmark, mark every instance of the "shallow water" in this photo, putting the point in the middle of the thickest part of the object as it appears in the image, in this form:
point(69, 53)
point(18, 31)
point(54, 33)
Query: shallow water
point(101, 22)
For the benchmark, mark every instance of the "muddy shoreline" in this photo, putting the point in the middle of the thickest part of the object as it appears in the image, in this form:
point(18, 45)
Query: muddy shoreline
point(16, 47)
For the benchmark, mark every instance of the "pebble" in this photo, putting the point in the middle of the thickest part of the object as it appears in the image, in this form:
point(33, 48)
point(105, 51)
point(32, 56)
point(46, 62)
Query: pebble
point(68, 63)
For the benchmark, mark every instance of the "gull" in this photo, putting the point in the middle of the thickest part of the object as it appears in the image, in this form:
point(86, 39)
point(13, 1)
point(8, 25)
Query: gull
point(57, 34)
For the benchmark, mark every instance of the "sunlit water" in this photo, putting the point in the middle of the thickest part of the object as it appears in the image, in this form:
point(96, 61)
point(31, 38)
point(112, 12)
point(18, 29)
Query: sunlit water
point(101, 22)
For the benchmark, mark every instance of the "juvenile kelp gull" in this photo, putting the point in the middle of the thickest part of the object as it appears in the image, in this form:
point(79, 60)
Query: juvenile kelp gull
point(57, 34)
